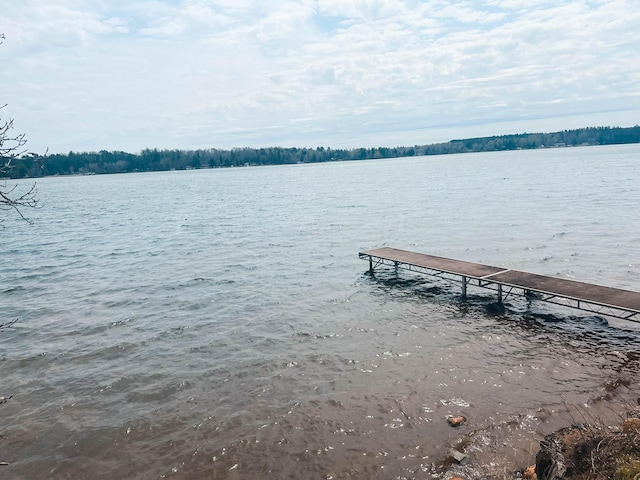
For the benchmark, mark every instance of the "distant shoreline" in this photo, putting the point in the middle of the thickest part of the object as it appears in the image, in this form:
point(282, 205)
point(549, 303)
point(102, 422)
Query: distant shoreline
point(154, 160)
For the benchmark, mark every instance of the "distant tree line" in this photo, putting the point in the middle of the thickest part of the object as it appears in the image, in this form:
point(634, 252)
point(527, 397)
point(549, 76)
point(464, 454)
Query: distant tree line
point(150, 160)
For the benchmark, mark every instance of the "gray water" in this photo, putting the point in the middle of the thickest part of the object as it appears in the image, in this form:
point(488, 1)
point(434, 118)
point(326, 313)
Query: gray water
point(219, 324)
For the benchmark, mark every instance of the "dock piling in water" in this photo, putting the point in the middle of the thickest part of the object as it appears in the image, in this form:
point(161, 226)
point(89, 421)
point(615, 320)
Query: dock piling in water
point(614, 302)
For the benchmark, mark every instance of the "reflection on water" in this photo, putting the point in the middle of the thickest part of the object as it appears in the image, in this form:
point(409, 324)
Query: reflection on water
point(227, 329)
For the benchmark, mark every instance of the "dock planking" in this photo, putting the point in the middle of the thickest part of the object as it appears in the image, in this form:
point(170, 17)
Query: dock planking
point(449, 265)
point(587, 292)
point(610, 301)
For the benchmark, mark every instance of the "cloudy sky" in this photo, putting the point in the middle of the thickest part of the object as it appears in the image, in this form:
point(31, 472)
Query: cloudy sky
point(126, 75)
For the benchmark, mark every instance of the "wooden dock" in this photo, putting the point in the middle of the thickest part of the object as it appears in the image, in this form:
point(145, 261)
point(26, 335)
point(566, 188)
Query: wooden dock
point(598, 299)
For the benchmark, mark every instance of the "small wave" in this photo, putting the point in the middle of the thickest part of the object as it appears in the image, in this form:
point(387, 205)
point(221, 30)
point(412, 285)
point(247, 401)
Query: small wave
point(18, 288)
point(458, 402)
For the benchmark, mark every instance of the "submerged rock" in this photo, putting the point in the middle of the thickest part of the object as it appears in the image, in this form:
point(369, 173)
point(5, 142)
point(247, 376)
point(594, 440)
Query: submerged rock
point(530, 473)
point(456, 421)
point(457, 455)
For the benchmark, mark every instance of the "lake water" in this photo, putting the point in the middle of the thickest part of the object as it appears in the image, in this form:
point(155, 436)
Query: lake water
point(219, 324)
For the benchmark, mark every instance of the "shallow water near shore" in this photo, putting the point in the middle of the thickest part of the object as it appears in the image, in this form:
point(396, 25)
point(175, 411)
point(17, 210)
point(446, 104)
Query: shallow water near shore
point(219, 324)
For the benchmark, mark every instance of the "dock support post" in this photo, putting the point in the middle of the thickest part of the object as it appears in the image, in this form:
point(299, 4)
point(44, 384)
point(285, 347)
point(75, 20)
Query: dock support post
point(464, 287)
point(396, 267)
point(370, 265)
point(499, 294)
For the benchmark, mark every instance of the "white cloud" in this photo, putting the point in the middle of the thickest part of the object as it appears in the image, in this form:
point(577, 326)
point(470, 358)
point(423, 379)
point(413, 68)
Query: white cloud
point(194, 73)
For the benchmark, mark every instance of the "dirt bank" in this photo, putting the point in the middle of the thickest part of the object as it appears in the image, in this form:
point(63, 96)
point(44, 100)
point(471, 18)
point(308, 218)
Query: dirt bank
point(592, 452)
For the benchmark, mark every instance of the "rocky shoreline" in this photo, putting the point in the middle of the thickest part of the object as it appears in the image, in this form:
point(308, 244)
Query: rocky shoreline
point(588, 451)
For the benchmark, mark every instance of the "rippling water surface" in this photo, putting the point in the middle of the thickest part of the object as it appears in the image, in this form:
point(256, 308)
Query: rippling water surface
point(219, 324)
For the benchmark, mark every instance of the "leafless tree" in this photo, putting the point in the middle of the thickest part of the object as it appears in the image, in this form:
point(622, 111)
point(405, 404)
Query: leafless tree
point(11, 147)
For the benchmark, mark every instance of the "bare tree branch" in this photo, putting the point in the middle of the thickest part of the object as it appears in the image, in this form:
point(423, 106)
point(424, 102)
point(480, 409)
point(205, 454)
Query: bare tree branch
point(11, 147)
point(7, 324)
point(25, 199)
